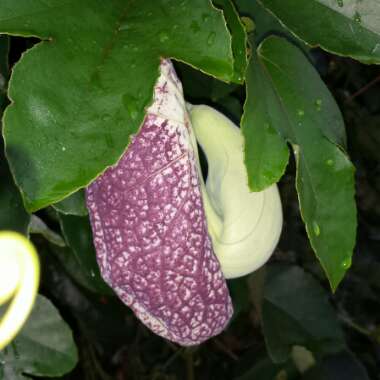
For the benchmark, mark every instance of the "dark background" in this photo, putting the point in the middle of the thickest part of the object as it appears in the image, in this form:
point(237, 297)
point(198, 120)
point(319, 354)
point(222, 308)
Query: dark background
point(113, 344)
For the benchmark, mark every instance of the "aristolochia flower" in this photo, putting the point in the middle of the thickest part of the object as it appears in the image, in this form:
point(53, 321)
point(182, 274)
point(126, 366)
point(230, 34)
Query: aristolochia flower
point(150, 230)
point(156, 224)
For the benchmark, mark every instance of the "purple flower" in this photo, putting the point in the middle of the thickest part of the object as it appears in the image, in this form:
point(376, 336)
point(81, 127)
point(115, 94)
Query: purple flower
point(150, 230)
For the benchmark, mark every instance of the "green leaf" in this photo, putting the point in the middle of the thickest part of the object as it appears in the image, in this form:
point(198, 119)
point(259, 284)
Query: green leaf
point(239, 38)
point(343, 365)
point(38, 226)
point(266, 152)
point(78, 234)
point(265, 369)
point(74, 204)
point(345, 27)
point(296, 311)
point(105, 322)
point(239, 292)
point(44, 346)
point(91, 79)
point(265, 22)
point(69, 261)
point(300, 107)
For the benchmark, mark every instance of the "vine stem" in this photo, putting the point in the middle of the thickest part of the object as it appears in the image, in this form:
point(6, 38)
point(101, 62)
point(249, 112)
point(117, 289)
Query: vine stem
point(363, 89)
point(189, 364)
point(355, 326)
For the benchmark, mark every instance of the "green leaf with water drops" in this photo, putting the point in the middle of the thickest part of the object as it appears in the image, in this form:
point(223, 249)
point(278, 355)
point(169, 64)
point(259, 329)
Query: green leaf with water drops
point(303, 111)
point(91, 78)
point(296, 311)
point(266, 152)
point(44, 346)
point(345, 27)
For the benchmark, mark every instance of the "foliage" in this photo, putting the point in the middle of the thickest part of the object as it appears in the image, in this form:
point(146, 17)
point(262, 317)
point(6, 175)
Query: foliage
point(77, 92)
point(44, 347)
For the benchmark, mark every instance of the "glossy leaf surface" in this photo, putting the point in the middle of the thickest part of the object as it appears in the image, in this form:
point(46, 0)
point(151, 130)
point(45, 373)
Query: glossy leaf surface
point(92, 81)
point(266, 152)
point(292, 101)
point(345, 27)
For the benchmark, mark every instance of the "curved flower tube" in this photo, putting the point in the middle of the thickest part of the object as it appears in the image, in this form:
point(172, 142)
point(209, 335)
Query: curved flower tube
point(244, 226)
point(19, 279)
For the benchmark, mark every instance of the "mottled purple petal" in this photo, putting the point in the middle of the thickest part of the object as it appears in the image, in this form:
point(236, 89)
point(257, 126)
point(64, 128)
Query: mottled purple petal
point(150, 230)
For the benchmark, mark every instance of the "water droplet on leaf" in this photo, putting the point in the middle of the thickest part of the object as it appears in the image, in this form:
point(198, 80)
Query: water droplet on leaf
point(211, 38)
point(205, 17)
point(125, 26)
point(330, 162)
point(357, 17)
point(163, 36)
point(318, 104)
point(106, 117)
point(346, 263)
point(300, 113)
point(248, 23)
point(340, 3)
point(316, 228)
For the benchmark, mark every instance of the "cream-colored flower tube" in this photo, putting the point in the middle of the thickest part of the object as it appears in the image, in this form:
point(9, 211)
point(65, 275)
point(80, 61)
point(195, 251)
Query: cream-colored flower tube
point(244, 226)
point(19, 279)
